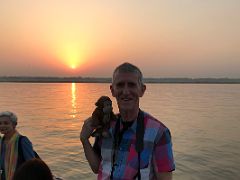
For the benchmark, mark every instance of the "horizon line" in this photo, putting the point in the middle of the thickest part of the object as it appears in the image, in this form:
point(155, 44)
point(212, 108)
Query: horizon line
point(40, 79)
point(101, 77)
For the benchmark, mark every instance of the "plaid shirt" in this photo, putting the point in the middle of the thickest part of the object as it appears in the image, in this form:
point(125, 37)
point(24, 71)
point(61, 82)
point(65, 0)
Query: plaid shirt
point(157, 155)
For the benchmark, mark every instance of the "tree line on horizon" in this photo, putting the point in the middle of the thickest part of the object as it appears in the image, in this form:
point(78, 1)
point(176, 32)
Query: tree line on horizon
point(108, 80)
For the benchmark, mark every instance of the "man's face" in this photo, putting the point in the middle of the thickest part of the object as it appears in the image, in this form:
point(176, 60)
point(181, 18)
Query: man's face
point(127, 89)
point(6, 125)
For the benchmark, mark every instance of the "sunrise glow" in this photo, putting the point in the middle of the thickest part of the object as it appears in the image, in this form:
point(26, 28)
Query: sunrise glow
point(71, 54)
point(90, 38)
point(73, 66)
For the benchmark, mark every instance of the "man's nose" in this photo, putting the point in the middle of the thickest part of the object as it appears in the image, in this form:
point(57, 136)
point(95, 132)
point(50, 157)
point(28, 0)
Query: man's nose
point(126, 90)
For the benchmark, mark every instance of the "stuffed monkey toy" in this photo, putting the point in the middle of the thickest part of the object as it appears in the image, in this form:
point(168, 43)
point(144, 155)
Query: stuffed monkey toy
point(101, 117)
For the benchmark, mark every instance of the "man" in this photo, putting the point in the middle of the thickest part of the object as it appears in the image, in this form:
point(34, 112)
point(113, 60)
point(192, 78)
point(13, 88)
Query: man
point(15, 149)
point(140, 145)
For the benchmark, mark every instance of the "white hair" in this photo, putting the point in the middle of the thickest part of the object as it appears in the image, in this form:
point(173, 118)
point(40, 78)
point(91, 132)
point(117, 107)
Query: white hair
point(11, 116)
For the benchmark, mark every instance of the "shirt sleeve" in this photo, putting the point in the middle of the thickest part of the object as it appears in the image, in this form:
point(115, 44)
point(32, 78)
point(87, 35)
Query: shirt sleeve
point(27, 148)
point(163, 155)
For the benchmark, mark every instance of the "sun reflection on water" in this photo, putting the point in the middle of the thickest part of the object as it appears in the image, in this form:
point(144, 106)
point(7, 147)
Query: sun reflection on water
point(74, 106)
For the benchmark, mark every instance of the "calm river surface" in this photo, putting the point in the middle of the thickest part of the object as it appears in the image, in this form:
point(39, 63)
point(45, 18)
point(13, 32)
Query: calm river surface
point(204, 120)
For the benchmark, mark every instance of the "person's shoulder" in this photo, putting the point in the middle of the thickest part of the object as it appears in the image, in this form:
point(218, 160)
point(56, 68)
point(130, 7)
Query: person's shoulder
point(152, 122)
point(24, 139)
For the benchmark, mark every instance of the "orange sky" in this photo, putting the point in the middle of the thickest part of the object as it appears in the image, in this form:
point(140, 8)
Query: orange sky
point(89, 38)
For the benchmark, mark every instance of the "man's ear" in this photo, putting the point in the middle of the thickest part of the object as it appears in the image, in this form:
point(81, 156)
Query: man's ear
point(112, 90)
point(143, 89)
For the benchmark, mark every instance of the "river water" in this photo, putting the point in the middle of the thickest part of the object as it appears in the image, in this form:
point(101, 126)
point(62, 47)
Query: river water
point(204, 120)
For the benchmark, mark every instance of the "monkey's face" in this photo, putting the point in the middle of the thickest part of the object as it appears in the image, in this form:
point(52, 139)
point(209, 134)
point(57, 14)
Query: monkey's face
point(107, 106)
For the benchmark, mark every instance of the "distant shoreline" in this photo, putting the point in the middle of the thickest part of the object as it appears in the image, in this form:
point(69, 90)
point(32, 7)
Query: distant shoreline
point(108, 80)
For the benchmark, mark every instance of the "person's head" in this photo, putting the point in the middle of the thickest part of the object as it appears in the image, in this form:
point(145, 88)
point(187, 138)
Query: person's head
point(127, 87)
point(128, 68)
point(8, 122)
point(33, 169)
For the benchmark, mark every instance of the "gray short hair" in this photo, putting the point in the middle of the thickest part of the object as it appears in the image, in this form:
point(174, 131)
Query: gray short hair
point(128, 68)
point(11, 116)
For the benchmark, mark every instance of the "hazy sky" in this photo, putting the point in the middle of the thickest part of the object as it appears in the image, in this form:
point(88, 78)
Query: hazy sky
point(165, 38)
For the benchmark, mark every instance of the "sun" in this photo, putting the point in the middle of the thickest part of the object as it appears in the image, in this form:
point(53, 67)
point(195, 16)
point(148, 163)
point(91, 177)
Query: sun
point(73, 58)
point(73, 66)
point(72, 55)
